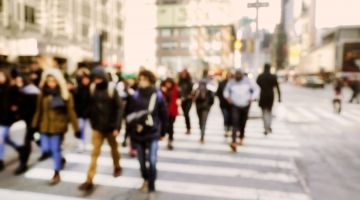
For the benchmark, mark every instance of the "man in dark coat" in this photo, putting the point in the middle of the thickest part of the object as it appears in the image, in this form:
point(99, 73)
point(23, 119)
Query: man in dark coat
point(267, 82)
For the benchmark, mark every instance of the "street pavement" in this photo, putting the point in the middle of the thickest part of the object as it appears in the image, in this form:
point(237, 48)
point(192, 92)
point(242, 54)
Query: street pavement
point(312, 154)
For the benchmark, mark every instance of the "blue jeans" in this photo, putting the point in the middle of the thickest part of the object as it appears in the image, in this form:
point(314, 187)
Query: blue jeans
point(82, 126)
point(148, 174)
point(51, 143)
point(5, 139)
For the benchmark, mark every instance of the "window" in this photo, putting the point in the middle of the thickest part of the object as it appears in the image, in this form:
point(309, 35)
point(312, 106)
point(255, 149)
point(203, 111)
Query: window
point(168, 45)
point(184, 45)
point(1, 5)
point(86, 10)
point(184, 32)
point(104, 36)
point(29, 15)
point(119, 24)
point(119, 40)
point(85, 30)
point(166, 32)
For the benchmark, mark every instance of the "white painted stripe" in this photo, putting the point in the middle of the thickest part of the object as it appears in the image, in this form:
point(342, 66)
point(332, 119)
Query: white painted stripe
point(186, 188)
point(330, 115)
point(190, 169)
point(309, 116)
point(21, 195)
point(211, 157)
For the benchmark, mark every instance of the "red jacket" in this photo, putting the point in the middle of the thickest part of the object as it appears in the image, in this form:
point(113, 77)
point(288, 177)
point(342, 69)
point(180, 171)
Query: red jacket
point(171, 99)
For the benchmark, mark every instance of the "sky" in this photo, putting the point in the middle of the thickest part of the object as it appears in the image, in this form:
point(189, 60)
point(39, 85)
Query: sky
point(268, 16)
point(331, 13)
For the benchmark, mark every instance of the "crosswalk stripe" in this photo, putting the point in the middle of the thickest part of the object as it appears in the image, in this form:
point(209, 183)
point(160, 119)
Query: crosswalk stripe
point(186, 188)
point(329, 115)
point(14, 195)
point(306, 113)
point(190, 169)
point(212, 157)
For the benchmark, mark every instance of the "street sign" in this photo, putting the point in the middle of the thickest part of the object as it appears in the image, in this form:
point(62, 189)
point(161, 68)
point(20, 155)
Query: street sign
point(258, 5)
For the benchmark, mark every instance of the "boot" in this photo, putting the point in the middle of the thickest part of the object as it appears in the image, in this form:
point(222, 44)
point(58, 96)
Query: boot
point(56, 178)
point(144, 187)
point(21, 169)
point(86, 187)
point(63, 162)
point(44, 156)
point(170, 146)
point(233, 147)
point(117, 172)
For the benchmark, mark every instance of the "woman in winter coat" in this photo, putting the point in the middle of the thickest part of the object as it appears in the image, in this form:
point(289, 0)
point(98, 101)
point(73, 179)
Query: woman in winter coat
point(55, 109)
point(8, 113)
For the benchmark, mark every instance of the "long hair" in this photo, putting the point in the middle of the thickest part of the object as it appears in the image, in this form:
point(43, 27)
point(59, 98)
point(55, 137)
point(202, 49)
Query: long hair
point(59, 77)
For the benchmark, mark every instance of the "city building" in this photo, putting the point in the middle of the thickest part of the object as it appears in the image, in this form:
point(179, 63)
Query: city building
point(71, 31)
point(194, 35)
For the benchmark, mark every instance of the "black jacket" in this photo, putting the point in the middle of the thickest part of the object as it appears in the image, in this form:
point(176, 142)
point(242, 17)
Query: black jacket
point(220, 93)
point(105, 110)
point(267, 82)
point(9, 96)
point(140, 102)
point(82, 101)
point(185, 88)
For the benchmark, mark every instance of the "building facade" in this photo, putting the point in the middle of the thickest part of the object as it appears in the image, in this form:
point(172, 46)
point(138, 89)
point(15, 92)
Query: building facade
point(68, 30)
point(194, 35)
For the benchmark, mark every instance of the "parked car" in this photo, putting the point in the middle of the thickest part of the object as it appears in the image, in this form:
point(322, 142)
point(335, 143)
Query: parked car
point(314, 82)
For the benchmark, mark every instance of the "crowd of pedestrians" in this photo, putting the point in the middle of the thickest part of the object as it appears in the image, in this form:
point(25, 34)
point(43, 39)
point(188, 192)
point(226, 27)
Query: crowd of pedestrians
point(145, 106)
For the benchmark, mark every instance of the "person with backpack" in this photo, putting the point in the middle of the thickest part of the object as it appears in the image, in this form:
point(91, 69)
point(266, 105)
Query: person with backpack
point(204, 99)
point(105, 119)
point(239, 93)
point(186, 95)
point(54, 110)
point(171, 94)
point(146, 122)
point(267, 82)
point(82, 103)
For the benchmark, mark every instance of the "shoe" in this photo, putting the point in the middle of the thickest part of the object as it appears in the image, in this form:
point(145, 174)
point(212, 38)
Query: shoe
point(117, 172)
point(188, 132)
point(87, 186)
point(2, 165)
point(44, 156)
point(63, 162)
point(202, 141)
point(21, 169)
point(144, 187)
point(233, 147)
point(133, 153)
point(124, 144)
point(56, 179)
point(151, 196)
point(170, 146)
point(265, 133)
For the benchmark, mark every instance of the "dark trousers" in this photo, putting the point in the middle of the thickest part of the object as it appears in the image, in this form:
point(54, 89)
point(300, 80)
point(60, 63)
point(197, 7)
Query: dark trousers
point(239, 119)
point(203, 115)
point(170, 131)
point(226, 112)
point(147, 152)
point(26, 149)
point(186, 107)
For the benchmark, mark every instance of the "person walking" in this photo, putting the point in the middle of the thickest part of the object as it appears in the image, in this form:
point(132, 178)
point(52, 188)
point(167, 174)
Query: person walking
point(54, 110)
point(354, 85)
point(147, 119)
point(82, 104)
point(171, 95)
point(9, 111)
point(105, 119)
point(29, 93)
point(239, 93)
point(267, 83)
point(204, 99)
point(224, 104)
point(186, 96)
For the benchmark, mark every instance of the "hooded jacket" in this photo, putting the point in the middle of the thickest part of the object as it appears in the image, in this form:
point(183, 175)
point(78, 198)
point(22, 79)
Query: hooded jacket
point(105, 110)
point(9, 96)
point(54, 120)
